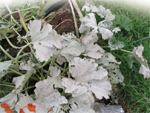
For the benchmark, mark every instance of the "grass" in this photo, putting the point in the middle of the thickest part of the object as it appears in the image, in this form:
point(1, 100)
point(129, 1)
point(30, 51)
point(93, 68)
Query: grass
point(136, 88)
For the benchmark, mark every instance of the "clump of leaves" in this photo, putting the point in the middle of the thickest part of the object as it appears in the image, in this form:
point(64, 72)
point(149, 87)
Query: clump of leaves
point(96, 72)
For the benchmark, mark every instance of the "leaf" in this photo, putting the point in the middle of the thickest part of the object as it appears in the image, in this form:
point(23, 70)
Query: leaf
point(27, 66)
point(55, 79)
point(81, 96)
point(126, 23)
point(106, 33)
point(45, 41)
point(20, 81)
point(94, 51)
point(73, 49)
point(137, 53)
point(89, 38)
point(145, 71)
point(11, 99)
point(47, 96)
point(109, 62)
point(86, 71)
point(87, 23)
point(115, 45)
point(4, 67)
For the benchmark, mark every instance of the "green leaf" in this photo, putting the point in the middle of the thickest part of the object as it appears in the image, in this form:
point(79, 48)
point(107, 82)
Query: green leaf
point(126, 23)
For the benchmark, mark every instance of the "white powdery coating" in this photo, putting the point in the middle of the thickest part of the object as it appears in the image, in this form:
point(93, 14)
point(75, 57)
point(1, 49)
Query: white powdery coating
point(94, 51)
point(145, 71)
point(44, 41)
point(86, 71)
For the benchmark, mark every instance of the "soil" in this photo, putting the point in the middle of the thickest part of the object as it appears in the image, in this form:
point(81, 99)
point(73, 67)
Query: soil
point(62, 21)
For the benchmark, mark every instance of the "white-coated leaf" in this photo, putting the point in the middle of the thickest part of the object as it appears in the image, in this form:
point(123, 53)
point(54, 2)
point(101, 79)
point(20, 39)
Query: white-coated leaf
point(60, 59)
point(20, 81)
point(109, 62)
point(23, 101)
point(80, 93)
point(106, 59)
point(94, 51)
point(137, 53)
point(47, 96)
point(89, 38)
point(145, 71)
point(4, 66)
point(27, 66)
point(88, 23)
point(109, 16)
point(86, 71)
point(106, 33)
point(74, 49)
point(45, 40)
point(115, 46)
point(116, 30)
point(11, 99)
point(55, 79)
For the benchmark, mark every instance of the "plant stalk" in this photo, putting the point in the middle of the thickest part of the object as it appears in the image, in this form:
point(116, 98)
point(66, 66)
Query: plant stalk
point(74, 18)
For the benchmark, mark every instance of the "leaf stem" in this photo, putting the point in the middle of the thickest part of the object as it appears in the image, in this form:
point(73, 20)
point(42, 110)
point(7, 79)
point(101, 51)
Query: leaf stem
point(7, 85)
point(6, 53)
point(15, 71)
point(13, 46)
point(125, 51)
point(74, 18)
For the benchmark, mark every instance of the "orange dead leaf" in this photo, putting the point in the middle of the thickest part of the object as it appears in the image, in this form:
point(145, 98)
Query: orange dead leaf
point(5, 105)
point(31, 107)
point(21, 111)
point(7, 110)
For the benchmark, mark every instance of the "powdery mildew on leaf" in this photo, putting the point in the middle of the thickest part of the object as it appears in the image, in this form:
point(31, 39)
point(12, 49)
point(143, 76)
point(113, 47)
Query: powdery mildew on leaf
point(73, 49)
point(81, 95)
point(89, 38)
point(20, 81)
point(55, 79)
point(45, 40)
point(109, 62)
point(87, 23)
point(4, 67)
point(27, 66)
point(47, 96)
point(115, 46)
point(145, 71)
point(11, 98)
point(94, 51)
point(87, 71)
point(137, 53)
